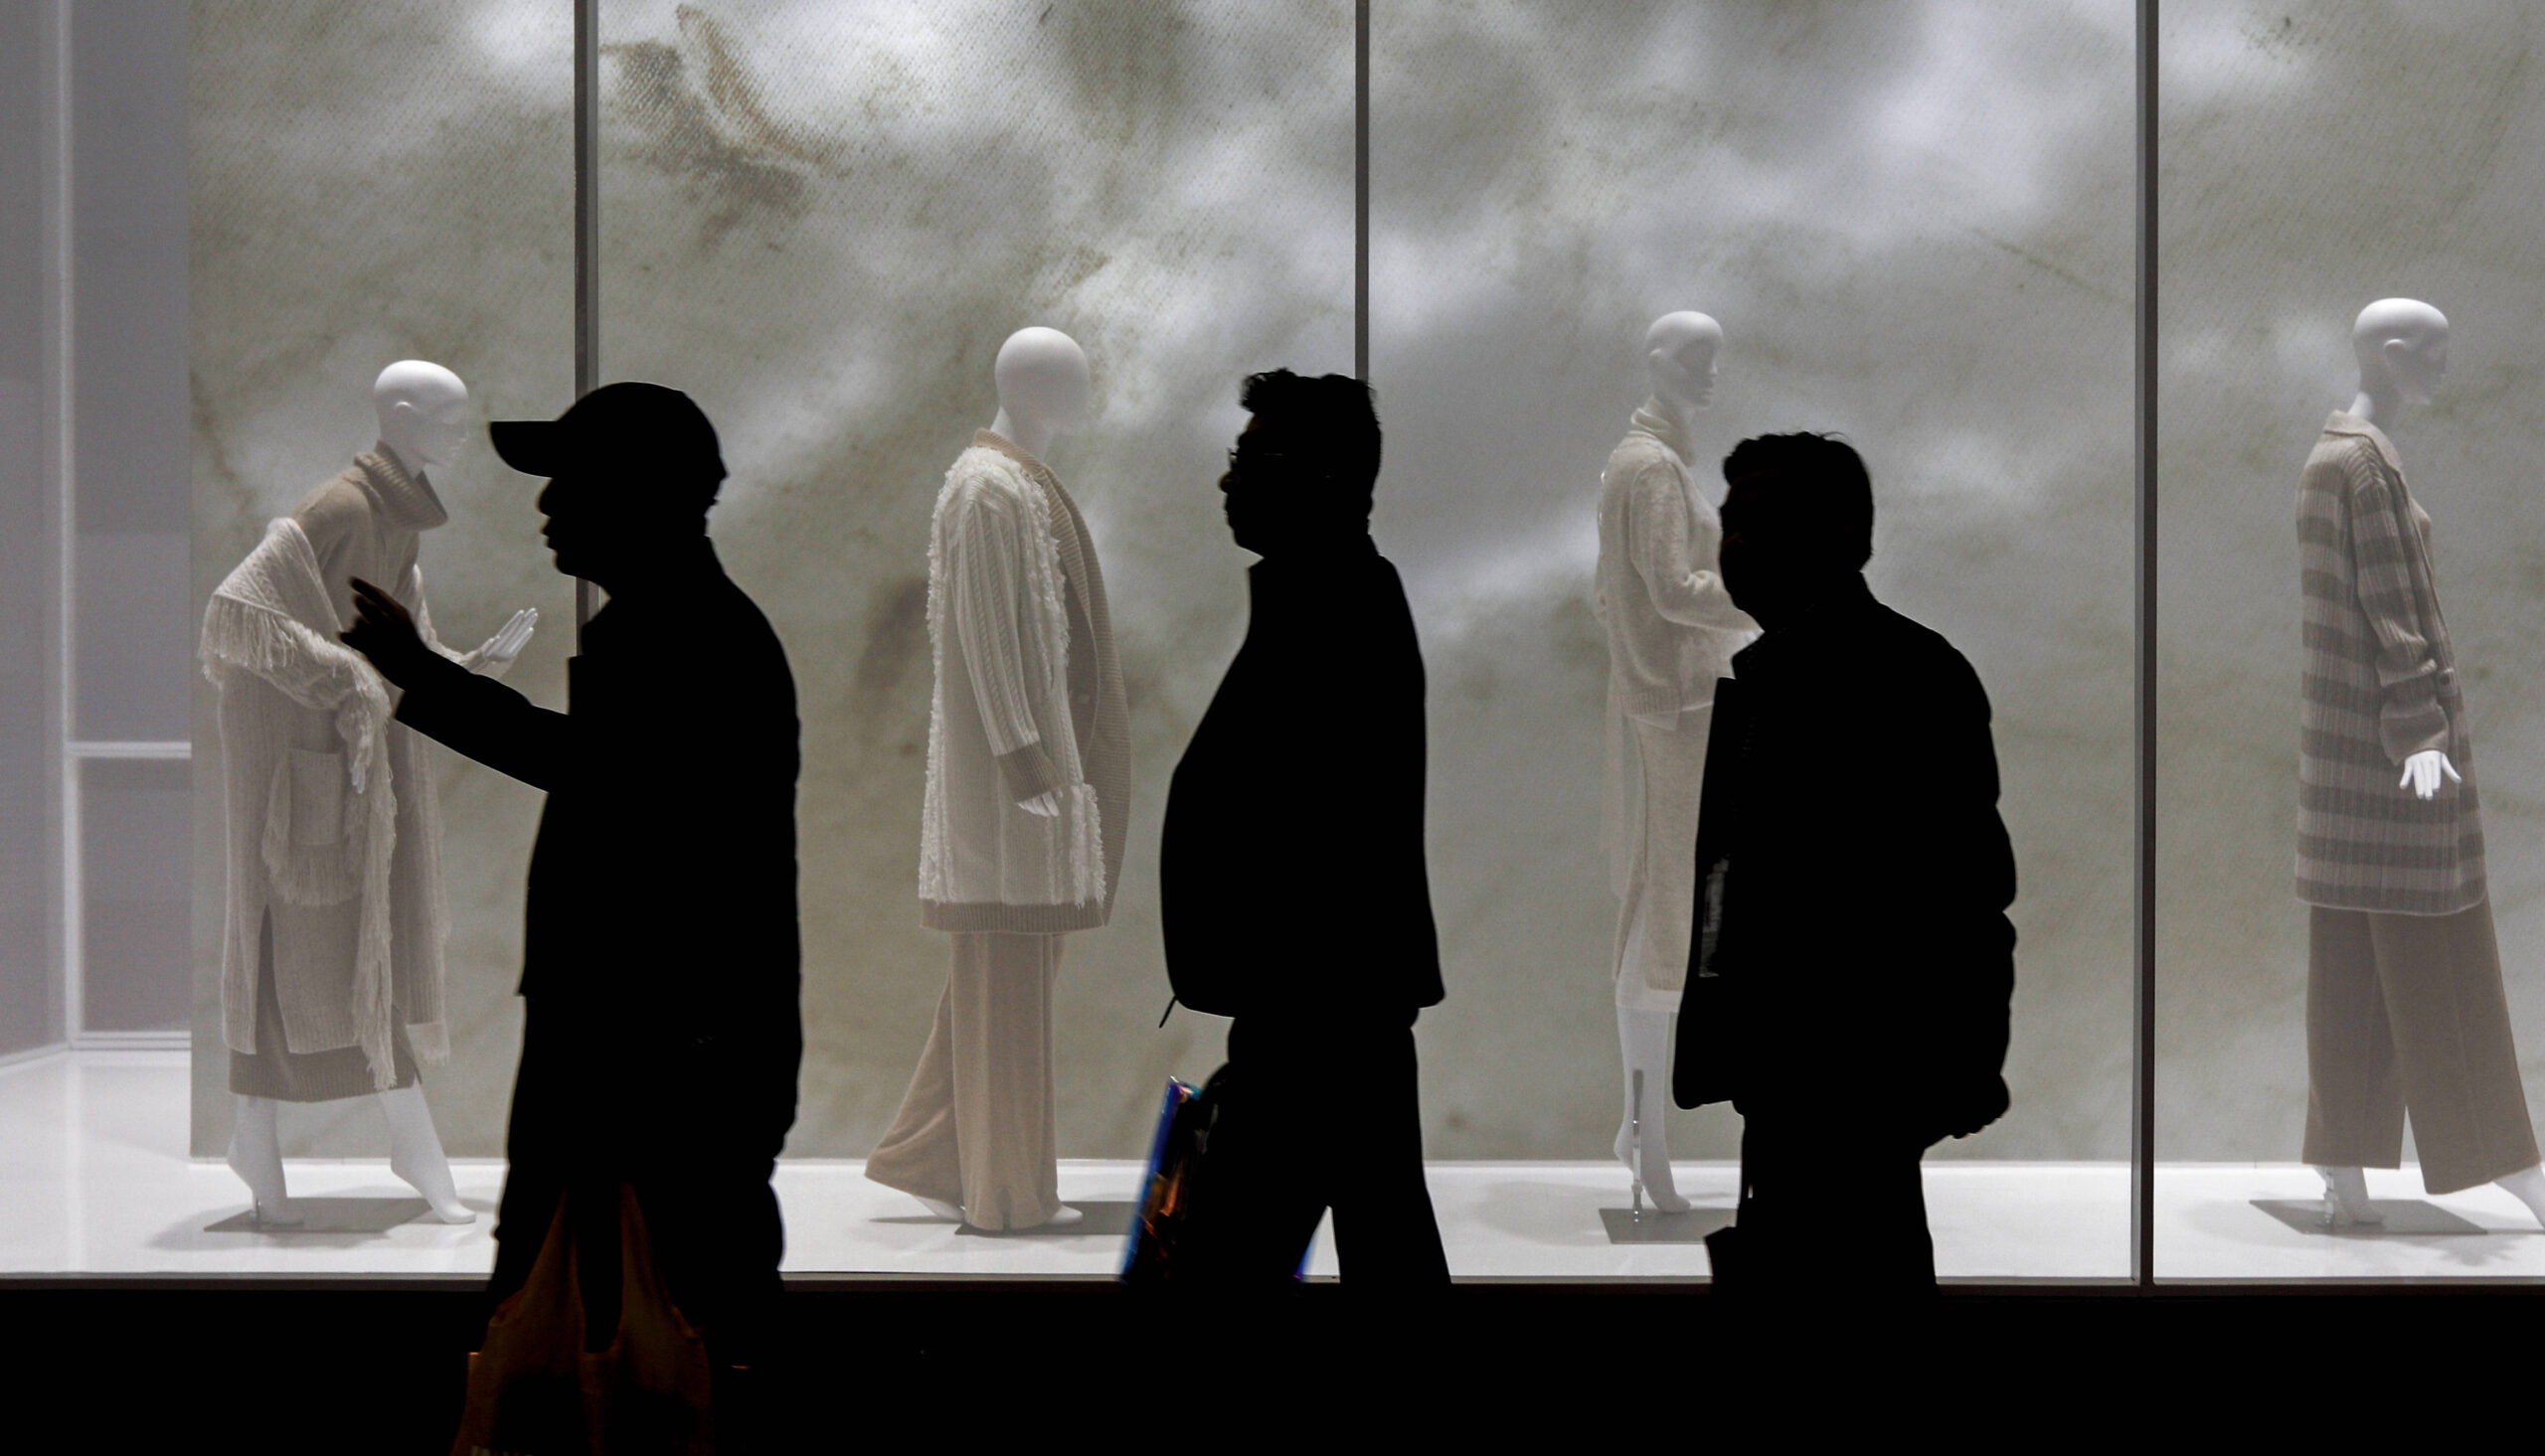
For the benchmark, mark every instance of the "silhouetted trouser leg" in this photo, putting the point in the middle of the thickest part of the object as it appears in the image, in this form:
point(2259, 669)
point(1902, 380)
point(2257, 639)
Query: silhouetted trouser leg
point(1321, 1115)
point(1825, 1209)
point(591, 1111)
point(978, 1126)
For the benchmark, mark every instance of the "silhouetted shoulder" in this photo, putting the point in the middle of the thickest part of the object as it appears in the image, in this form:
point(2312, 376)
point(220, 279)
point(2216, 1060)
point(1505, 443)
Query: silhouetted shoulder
point(1914, 647)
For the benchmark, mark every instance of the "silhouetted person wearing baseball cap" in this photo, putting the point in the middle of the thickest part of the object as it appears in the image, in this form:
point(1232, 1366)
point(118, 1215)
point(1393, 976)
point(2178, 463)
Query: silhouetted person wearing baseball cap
point(660, 958)
point(1848, 986)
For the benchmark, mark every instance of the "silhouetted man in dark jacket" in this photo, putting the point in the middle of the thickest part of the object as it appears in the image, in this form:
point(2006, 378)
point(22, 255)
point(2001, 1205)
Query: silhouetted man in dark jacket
point(1853, 962)
point(660, 958)
point(1292, 891)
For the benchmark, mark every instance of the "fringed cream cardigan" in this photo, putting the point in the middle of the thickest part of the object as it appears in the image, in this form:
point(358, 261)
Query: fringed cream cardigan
point(1029, 701)
point(324, 791)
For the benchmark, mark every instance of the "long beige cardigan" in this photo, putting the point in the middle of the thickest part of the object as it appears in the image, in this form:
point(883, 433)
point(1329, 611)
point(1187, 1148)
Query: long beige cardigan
point(333, 823)
point(1029, 701)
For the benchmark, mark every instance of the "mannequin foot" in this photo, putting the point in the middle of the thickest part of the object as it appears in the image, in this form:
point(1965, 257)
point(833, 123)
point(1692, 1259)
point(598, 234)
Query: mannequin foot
point(1659, 1189)
point(416, 1156)
point(2346, 1199)
point(2528, 1186)
point(256, 1155)
point(1062, 1218)
point(942, 1209)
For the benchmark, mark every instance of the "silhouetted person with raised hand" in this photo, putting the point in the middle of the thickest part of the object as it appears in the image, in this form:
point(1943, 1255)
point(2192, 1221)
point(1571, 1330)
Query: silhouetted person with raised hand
point(1853, 963)
point(661, 954)
point(1294, 896)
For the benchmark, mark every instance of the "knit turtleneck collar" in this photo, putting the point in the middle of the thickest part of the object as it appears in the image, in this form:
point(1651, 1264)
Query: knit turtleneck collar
point(407, 500)
point(1655, 421)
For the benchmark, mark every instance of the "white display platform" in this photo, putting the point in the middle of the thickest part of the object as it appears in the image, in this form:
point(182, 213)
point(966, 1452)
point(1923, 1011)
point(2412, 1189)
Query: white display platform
point(93, 1159)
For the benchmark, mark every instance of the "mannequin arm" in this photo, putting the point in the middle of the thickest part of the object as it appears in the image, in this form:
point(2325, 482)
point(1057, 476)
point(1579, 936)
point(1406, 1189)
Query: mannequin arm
point(984, 554)
point(1674, 543)
point(2421, 773)
point(2410, 719)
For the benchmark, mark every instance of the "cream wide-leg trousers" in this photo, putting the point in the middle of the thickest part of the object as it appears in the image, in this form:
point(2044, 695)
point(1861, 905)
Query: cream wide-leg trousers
point(975, 1128)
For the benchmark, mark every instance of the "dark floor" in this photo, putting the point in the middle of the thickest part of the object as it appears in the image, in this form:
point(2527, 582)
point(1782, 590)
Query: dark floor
point(925, 1367)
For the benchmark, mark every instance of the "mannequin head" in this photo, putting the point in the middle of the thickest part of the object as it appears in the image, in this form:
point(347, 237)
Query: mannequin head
point(424, 413)
point(2402, 348)
point(1043, 386)
point(1679, 359)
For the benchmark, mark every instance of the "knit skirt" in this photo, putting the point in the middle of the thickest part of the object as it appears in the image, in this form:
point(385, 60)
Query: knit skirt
point(274, 1070)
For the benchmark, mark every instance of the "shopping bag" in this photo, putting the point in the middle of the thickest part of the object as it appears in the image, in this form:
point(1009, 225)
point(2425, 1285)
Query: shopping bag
point(1175, 1157)
point(525, 1387)
point(534, 1390)
point(647, 1393)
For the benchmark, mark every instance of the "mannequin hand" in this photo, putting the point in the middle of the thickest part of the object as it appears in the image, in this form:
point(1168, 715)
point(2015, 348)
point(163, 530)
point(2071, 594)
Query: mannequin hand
point(495, 658)
point(1046, 804)
point(2422, 771)
point(384, 632)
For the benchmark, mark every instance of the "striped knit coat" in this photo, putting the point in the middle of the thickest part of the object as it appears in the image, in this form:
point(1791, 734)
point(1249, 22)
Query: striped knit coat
point(1029, 701)
point(2380, 685)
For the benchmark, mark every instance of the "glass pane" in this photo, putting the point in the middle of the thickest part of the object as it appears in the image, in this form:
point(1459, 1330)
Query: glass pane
point(132, 839)
point(133, 649)
point(822, 221)
point(1911, 223)
point(2343, 592)
point(372, 184)
point(29, 991)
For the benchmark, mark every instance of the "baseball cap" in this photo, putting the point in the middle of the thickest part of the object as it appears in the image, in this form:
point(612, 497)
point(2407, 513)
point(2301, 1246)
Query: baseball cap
point(650, 428)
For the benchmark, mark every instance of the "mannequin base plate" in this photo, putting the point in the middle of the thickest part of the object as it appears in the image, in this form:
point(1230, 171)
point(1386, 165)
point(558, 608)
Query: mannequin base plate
point(330, 1215)
point(1103, 1220)
point(2408, 1217)
point(1657, 1226)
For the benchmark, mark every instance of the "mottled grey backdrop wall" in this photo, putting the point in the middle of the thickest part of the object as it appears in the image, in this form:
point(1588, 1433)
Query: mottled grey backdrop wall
point(2318, 156)
point(821, 219)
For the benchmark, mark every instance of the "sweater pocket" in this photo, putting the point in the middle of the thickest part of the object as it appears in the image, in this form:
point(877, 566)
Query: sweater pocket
point(309, 858)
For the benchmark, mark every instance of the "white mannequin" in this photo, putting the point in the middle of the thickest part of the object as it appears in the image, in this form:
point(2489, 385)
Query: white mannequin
point(423, 412)
point(2402, 348)
point(1044, 386)
point(1679, 362)
point(1042, 390)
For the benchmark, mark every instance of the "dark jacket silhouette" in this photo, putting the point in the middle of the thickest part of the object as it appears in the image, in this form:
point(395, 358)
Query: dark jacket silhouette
point(1293, 893)
point(1290, 875)
point(1853, 962)
point(661, 954)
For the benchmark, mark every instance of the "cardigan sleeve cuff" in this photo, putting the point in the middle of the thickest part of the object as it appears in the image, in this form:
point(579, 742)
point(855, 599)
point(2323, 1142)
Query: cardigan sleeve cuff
point(1029, 773)
point(2413, 727)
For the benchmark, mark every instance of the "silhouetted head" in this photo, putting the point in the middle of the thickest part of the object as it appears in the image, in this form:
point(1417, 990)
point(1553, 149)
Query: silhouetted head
point(1305, 465)
point(631, 469)
point(1797, 522)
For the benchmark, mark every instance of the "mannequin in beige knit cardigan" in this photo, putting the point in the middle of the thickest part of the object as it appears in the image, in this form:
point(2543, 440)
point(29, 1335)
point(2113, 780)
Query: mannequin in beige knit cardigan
point(422, 410)
point(1028, 792)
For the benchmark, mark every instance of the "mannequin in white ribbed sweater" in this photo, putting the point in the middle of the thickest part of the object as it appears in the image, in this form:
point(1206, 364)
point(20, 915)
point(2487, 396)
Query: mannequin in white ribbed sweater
point(422, 415)
point(1672, 630)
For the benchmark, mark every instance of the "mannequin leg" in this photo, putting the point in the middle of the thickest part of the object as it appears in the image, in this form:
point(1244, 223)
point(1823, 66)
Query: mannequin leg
point(256, 1155)
point(1643, 1036)
point(414, 1153)
point(2528, 1186)
point(2346, 1197)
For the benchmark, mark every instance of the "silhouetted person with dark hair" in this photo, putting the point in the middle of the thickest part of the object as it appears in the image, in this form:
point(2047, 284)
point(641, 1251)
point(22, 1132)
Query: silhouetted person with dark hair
point(1293, 893)
point(661, 956)
point(1854, 961)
